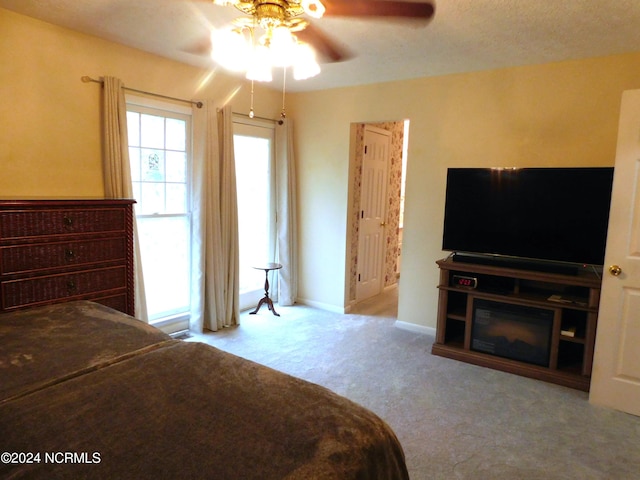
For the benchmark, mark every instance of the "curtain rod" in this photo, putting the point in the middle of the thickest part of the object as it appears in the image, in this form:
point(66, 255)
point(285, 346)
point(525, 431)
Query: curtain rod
point(279, 121)
point(87, 79)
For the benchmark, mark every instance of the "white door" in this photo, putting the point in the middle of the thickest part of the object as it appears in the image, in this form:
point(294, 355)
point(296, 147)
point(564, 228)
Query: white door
point(373, 202)
point(616, 368)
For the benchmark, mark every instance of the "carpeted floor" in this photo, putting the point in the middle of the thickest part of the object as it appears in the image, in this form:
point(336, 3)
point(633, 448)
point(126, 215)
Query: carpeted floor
point(454, 420)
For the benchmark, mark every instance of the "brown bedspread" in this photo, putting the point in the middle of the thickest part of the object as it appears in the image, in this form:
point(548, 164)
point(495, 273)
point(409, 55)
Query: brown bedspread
point(45, 344)
point(188, 410)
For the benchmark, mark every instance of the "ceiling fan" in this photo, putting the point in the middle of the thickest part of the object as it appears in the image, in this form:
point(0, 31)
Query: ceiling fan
point(287, 33)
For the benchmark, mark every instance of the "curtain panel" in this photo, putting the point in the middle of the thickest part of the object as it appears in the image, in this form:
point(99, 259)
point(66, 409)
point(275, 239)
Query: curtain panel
point(215, 268)
point(117, 171)
point(286, 214)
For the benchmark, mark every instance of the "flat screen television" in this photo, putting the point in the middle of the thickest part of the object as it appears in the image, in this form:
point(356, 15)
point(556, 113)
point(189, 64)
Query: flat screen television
point(544, 214)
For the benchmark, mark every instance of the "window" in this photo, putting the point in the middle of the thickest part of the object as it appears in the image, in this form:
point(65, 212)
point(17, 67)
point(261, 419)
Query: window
point(255, 184)
point(159, 152)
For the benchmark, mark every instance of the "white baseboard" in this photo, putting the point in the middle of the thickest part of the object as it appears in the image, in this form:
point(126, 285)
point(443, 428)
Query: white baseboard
point(321, 305)
point(414, 327)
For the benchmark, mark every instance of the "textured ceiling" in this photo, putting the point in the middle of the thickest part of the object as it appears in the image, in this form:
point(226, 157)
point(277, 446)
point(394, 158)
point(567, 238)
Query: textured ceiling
point(464, 35)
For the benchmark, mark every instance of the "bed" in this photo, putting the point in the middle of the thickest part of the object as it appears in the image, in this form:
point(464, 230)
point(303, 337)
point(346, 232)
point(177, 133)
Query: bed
point(90, 392)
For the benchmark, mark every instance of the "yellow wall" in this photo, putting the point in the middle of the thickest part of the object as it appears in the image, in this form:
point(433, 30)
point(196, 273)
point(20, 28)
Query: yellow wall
point(562, 114)
point(50, 121)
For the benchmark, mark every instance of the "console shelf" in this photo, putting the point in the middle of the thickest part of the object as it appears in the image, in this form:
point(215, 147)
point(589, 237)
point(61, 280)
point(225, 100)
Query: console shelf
point(571, 301)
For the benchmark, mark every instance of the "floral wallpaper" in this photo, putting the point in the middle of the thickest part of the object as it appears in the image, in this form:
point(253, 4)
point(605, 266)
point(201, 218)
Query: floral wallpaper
point(390, 268)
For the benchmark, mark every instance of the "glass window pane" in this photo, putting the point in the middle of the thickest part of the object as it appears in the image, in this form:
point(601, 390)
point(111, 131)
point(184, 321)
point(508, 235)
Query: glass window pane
point(176, 167)
point(134, 160)
point(133, 128)
point(137, 196)
point(158, 149)
point(176, 198)
point(151, 131)
point(152, 198)
point(166, 277)
point(252, 179)
point(152, 165)
point(176, 134)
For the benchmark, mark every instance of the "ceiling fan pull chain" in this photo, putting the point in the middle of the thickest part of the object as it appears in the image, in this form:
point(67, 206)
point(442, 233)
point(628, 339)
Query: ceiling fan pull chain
point(283, 114)
point(253, 51)
point(251, 113)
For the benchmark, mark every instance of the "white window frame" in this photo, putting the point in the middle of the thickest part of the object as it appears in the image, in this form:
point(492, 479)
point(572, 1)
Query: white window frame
point(247, 127)
point(178, 322)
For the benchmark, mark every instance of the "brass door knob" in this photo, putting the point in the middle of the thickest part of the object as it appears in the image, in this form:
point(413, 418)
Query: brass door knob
point(615, 270)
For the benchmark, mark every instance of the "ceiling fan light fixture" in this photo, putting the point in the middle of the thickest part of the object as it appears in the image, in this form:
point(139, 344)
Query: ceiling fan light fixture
point(282, 46)
point(259, 65)
point(313, 8)
point(267, 39)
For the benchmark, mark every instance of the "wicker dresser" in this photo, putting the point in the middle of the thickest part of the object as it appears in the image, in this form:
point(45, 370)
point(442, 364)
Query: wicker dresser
point(55, 251)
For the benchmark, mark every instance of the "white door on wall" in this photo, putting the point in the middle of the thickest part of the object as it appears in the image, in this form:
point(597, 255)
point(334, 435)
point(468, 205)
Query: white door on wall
point(373, 203)
point(615, 380)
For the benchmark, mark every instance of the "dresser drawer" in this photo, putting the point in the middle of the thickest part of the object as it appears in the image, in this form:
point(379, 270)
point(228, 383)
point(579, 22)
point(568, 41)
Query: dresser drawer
point(58, 250)
point(17, 293)
point(46, 256)
point(16, 224)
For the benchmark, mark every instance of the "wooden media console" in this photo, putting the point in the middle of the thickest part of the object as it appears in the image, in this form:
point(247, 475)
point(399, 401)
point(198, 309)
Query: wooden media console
point(475, 299)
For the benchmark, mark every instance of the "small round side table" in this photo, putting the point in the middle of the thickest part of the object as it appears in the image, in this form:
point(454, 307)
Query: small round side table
point(267, 267)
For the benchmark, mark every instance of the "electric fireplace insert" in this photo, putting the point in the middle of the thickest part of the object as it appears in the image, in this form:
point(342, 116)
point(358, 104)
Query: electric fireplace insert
point(512, 331)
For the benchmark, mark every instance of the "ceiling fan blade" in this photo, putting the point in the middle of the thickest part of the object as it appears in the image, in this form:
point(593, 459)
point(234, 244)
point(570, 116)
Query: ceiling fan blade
point(199, 47)
point(379, 8)
point(326, 48)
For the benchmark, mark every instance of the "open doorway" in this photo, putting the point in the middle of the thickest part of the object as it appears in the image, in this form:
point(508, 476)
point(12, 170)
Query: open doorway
point(394, 204)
